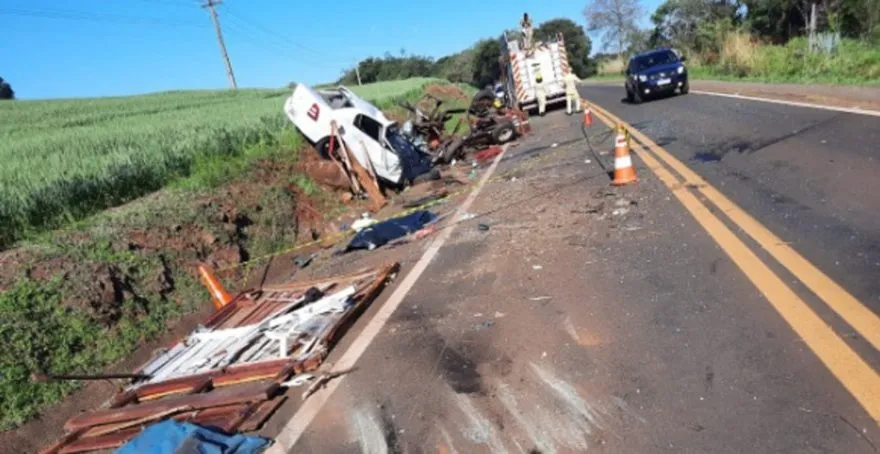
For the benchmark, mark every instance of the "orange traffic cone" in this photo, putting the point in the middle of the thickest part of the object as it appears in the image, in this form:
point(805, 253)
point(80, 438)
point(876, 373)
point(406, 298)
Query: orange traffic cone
point(624, 172)
point(588, 117)
point(220, 296)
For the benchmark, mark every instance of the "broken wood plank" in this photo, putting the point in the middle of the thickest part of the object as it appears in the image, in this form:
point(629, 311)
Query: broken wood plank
point(109, 441)
point(111, 428)
point(254, 392)
point(370, 184)
point(60, 443)
point(262, 414)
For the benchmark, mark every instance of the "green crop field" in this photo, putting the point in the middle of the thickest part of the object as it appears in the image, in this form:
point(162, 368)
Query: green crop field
point(66, 159)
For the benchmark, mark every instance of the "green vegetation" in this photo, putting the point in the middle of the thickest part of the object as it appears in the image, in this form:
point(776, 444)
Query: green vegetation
point(854, 62)
point(63, 160)
point(764, 41)
point(40, 334)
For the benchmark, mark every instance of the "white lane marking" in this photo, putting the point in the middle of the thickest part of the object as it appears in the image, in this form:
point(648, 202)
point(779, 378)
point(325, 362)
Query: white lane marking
point(297, 425)
point(478, 429)
point(369, 432)
point(852, 110)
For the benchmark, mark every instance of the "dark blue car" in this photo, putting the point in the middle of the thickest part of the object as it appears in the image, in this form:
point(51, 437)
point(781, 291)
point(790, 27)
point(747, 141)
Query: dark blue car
point(653, 73)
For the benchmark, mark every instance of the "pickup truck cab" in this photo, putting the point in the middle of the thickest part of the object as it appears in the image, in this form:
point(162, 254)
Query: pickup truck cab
point(656, 72)
point(368, 133)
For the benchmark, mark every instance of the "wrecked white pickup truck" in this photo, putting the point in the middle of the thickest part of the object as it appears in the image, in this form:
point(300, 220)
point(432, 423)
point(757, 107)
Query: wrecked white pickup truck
point(364, 128)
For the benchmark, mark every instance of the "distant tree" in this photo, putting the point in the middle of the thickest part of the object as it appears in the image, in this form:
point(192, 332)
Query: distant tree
point(615, 19)
point(456, 67)
point(691, 24)
point(6, 91)
point(486, 64)
point(774, 20)
point(577, 44)
point(389, 67)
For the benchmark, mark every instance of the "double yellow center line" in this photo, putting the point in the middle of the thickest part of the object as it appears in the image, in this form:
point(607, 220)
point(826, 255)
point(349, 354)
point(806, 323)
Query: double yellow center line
point(857, 376)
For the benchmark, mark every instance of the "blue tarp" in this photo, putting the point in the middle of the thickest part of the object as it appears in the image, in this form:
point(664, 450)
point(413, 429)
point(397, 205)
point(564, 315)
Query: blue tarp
point(377, 235)
point(172, 437)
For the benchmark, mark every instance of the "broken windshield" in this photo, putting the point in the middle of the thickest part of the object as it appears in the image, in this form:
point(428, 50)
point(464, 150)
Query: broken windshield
point(413, 161)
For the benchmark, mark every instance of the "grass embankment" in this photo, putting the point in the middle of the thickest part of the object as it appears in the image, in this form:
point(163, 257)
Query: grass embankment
point(64, 160)
point(79, 299)
point(743, 59)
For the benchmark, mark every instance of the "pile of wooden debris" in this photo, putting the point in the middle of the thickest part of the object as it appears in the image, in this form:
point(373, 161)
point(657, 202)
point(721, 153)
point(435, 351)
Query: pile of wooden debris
point(230, 372)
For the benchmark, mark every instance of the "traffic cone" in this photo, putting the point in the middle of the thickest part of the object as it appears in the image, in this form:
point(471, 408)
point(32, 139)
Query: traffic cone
point(588, 117)
point(220, 296)
point(624, 172)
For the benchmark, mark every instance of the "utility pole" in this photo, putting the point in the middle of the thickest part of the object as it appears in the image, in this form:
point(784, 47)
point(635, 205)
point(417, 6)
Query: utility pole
point(210, 4)
point(357, 70)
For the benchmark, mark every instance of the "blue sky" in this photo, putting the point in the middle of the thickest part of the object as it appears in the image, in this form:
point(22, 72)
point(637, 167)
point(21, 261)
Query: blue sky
point(64, 49)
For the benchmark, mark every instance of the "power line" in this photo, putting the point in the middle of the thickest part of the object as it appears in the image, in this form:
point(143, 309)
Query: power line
point(242, 31)
point(269, 31)
point(93, 17)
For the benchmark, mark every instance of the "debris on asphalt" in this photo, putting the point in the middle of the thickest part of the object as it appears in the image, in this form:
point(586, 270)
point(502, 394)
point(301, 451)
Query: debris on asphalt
point(483, 227)
point(322, 381)
point(625, 203)
point(537, 267)
point(483, 325)
point(591, 209)
point(467, 216)
point(424, 232)
point(230, 371)
point(378, 235)
point(488, 154)
point(540, 298)
point(365, 221)
point(620, 211)
point(298, 381)
point(426, 199)
point(302, 262)
point(499, 314)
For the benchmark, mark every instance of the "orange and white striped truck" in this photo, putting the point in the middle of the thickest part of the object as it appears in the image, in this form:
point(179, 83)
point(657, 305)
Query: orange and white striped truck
point(522, 66)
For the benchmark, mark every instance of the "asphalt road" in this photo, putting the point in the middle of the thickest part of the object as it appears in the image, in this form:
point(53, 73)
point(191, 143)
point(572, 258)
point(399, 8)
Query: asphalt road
point(601, 319)
point(809, 175)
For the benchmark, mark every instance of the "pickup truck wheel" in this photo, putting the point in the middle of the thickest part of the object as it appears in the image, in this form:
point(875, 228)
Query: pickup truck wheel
point(629, 96)
point(504, 133)
point(637, 98)
point(323, 149)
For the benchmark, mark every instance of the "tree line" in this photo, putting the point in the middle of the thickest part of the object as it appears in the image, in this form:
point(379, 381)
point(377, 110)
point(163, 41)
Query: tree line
point(698, 25)
point(478, 65)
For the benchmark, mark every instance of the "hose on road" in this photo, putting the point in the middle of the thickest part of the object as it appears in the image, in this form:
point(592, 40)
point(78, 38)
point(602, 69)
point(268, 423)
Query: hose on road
point(604, 137)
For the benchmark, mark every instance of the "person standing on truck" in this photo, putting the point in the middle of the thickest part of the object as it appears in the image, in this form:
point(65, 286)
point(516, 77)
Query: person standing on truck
point(541, 94)
point(571, 93)
point(527, 32)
